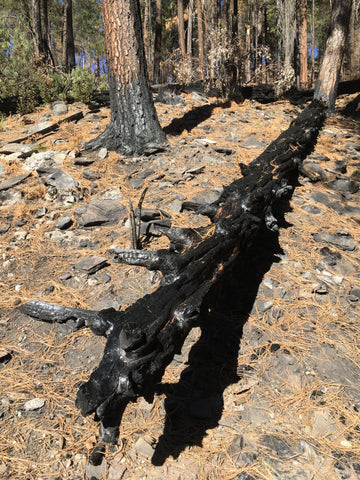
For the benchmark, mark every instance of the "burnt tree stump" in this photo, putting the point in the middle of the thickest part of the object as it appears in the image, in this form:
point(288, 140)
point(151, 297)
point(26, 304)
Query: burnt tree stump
point(142, 340)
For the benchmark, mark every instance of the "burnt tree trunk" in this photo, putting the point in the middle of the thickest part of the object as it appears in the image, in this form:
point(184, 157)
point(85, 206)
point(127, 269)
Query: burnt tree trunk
point(67, 37)
point(134, 127)
point(142, 340)
point(200, 15)
point(326, 85)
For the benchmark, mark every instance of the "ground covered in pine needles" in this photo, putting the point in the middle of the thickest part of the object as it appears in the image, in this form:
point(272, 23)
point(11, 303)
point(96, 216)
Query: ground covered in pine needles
point(276, 392)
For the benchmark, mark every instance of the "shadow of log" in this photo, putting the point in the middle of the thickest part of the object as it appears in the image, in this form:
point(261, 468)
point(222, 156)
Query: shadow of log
point(195, 404)
point(193, 118)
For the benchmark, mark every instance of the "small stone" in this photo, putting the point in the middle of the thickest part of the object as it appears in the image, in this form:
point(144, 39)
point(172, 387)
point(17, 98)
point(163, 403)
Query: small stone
point(136, 183)
point(34, 404)
point(84, 161)
point(143, 447)
point(340, 241)
point(4, 228)
point(40, 126)
point(103, 152)
point(11, 182)
point(91, 264)
point(97, 472)
point(40, 212)
point(5, 355)
point(63, 223)
point(58, 108)
point(264, 306)
point(252, 142)
point(90, 174)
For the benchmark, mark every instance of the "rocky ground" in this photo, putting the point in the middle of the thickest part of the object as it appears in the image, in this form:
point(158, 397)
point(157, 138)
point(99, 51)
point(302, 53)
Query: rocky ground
point(276, 392)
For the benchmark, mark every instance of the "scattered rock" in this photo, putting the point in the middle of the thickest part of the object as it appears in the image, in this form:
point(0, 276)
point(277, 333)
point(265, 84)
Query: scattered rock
point(34, 404)
point(90, 174)
point(252, 142)
point(10, 148)
point(63, 223)
point(11, 182)
point(91, 264)
point(95, 472)
point(58, 108)
point(340, 241)
point(100, 212)
point(62, 181)
point(344, 186)
point(143, 447)
point(103, 153)
point(314, 172)
point(40, 126)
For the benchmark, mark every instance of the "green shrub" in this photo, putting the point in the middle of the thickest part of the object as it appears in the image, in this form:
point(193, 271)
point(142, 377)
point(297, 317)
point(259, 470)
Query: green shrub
point(83, 83)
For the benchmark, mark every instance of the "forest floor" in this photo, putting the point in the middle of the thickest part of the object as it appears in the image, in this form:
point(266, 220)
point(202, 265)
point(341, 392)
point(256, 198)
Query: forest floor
point(293, 409)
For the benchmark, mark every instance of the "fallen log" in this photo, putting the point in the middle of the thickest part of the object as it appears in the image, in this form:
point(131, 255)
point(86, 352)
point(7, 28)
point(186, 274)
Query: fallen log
point(142, 340)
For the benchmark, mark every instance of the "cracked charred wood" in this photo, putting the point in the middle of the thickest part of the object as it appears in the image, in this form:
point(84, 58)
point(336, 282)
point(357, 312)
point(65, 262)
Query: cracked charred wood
point(142, 340)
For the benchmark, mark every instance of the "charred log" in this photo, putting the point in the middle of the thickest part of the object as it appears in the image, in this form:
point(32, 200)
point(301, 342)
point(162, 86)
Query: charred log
point(142, 340)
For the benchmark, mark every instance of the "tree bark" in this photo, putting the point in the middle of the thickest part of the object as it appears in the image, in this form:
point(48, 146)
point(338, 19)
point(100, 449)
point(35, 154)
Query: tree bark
point(200, 16)
point(68, 46)
point(181, 27)
point(327, 83)
point(157, 42)
point(134, 128)
point(303, 44)
point(36, 17)
point(147, 33)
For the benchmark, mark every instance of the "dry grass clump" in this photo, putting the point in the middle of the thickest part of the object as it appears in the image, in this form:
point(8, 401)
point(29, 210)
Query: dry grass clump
point(34, 192)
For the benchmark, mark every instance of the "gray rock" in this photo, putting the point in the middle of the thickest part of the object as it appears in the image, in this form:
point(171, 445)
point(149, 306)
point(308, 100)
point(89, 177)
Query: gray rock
point(48, 159)
point(40, 212)
point(343, 242)
point(311, 209)
point(101, 212)
point(136, 183)
point(143, 447)
point(63, 223)
point(252, 142)
point(34, 404)
point(40, 126)
point(176, 206)
point(4, 228)
point(345, 186)
point(340, 166)
point(146, 173)
point(91, 264)
point(198, 98)
point(314, 172)
point(16, 148)
point(280, 446)
point(264, 306)
point(103, 152)
point(61, 181)
point(207, 196)
point(11, 182)
point(83, 161)
point(90, 174)
point(97, 472)
point(169, 98)
point(58, 108)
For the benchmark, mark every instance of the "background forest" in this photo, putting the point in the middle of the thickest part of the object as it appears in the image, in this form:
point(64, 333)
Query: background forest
point(54, 49)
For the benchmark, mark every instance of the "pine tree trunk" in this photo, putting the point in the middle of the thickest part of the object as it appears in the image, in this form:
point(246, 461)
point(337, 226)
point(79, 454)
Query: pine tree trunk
point(134, 127)
point(68, 47)
point(37, 30)
point(326, 85)
point(303, 44)
point(46, 33)
point(157, 43)
point(147, 32)
point(180, 5)
point(201, 39)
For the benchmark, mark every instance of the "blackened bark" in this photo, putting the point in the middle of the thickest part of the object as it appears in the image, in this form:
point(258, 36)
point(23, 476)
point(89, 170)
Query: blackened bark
point(181, 27)
point(327, 83)
point(134, 127)
point(68, 46)
point(142, 340)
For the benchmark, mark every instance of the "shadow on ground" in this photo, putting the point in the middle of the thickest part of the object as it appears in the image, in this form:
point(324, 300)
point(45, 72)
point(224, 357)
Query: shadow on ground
point(195, 403)
point(193, 118)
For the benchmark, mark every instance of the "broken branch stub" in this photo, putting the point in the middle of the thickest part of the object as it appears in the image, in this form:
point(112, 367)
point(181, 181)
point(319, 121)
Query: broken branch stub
point(142, 340)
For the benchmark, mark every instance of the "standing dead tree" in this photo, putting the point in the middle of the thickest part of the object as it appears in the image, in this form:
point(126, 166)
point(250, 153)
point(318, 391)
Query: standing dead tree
point(142, 340)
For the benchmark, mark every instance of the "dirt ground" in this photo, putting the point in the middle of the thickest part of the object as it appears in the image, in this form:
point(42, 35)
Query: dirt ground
point(291, 411)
